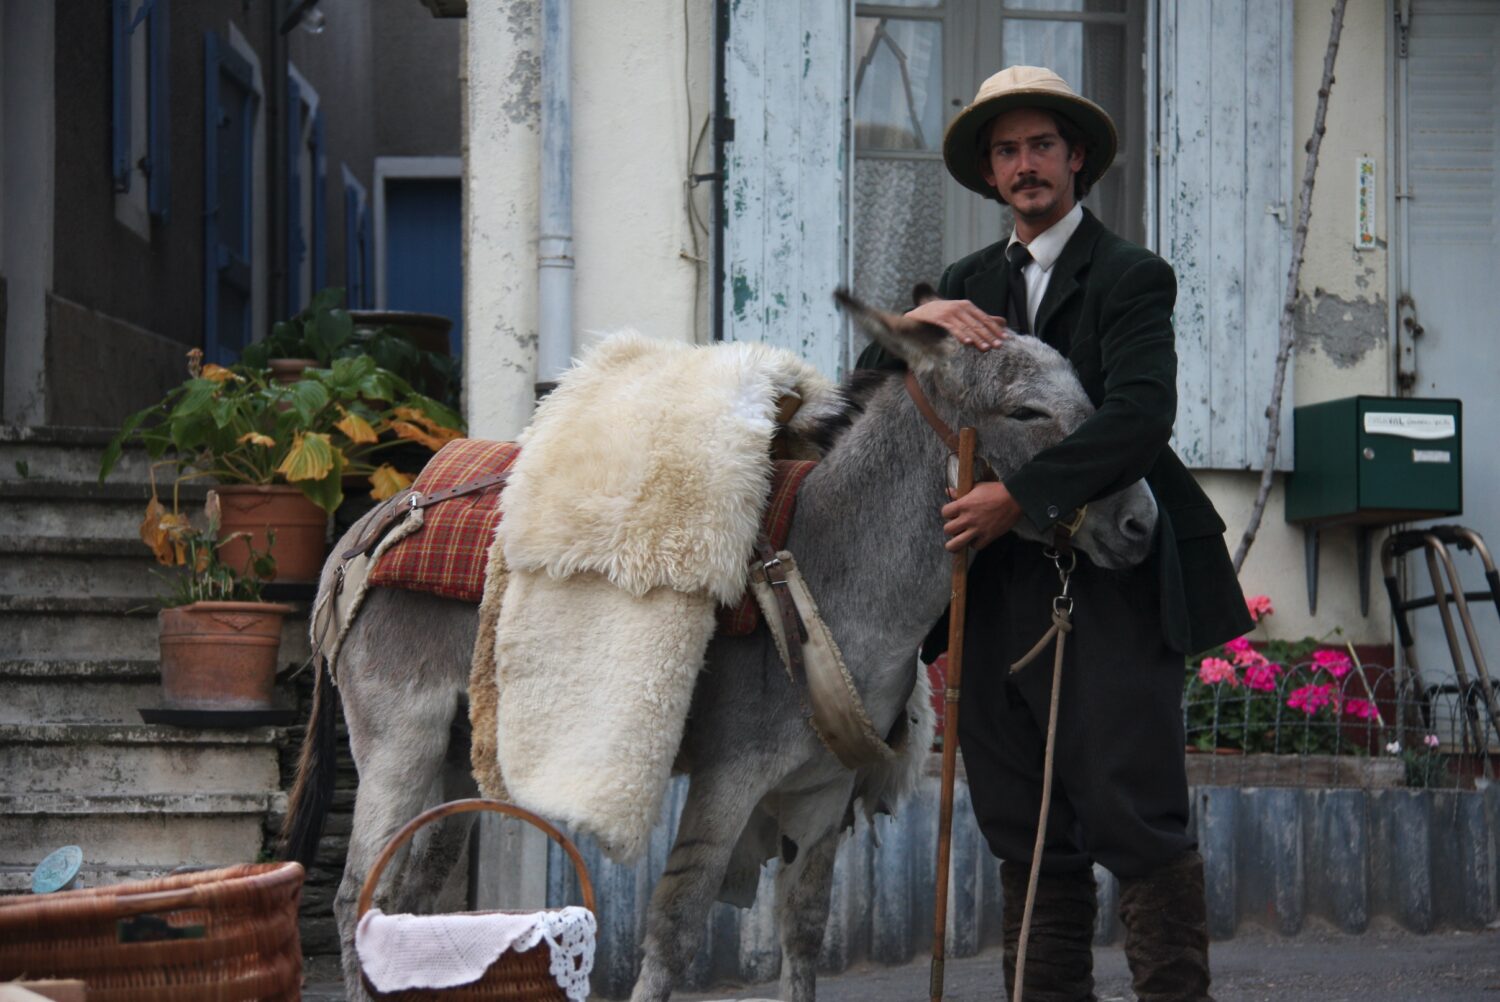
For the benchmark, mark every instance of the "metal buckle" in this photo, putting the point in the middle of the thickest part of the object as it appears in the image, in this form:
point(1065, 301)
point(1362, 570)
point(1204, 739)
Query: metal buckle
point(413, 500)
point(1072, 527)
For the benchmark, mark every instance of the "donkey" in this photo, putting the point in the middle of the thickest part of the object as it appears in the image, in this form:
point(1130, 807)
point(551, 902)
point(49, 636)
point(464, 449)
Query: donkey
point(868, 538)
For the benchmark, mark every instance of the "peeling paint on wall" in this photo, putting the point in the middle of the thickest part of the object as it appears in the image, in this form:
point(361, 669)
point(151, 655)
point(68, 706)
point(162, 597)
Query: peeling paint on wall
point(1344, 330)
point(524, 107)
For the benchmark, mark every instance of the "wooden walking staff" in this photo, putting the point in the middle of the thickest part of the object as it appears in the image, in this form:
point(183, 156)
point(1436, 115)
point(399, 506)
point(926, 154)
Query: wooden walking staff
point(956, 603)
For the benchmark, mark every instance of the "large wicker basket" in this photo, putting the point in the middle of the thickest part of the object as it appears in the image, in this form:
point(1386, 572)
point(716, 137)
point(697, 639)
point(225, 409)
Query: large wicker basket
point(517, 975)
point(226, 934)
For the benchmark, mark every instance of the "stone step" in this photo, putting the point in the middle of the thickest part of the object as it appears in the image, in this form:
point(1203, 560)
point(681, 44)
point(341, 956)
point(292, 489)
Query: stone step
point(54, 453)
point(112, 759)
point(136, 831)
point(135, 575)
point(66, 510)
point(42, 627)
point(17, 879)
point(99, 691)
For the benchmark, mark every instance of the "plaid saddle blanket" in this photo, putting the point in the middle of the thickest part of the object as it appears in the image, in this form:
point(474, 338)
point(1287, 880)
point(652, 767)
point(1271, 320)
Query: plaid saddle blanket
point(450, 555)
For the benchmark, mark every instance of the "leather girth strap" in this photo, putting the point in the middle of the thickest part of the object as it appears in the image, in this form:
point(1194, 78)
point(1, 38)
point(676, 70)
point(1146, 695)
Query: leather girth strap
point(396, 512)
point(768, 565)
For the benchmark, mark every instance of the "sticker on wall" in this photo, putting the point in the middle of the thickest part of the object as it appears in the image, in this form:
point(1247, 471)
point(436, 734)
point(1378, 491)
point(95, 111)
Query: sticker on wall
point(1364, 203)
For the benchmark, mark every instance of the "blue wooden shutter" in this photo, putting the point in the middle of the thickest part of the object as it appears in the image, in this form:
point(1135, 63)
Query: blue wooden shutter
point(119, 161)
point(319, 204)
point(159, 121)
point(230, 104)
point(296, 242)
point(784, 218)
point(1226, 204)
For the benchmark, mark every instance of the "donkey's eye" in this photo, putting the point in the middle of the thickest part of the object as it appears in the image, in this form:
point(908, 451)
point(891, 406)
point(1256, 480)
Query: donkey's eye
point(1026, 414)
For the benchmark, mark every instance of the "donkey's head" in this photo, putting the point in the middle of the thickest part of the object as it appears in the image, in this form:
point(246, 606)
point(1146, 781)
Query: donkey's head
point(1020, 398)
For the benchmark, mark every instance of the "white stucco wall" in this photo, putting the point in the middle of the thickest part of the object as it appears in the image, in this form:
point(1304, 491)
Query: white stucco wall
point(1343, 347)
point(642, 90)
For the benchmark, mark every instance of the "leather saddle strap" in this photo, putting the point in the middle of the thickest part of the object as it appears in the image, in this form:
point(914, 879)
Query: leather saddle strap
point(398, 510)
point(769, 565)
point(914, 390)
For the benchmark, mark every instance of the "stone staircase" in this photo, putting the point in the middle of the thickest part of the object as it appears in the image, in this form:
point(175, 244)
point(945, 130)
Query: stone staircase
point(78, 658)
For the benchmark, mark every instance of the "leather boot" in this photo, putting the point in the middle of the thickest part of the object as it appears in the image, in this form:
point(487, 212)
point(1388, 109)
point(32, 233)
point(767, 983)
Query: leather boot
point(1166, 932)
point(1060, 948)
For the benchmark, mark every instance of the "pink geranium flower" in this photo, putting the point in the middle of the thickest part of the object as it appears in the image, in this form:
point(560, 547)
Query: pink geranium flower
point(1259, 606)
point(1335, 663)
point(1262, 676)
point(1361, 709)
point(1312, 698)
point(1244, 654)
point(1213, 671)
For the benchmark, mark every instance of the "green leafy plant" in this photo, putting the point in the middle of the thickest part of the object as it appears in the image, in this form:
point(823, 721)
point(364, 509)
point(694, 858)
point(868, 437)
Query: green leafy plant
point(326, 332)
point(176, 542)
point(239, 426)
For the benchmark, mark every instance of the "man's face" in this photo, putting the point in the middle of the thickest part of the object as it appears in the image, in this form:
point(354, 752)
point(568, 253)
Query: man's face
point(1030, 165)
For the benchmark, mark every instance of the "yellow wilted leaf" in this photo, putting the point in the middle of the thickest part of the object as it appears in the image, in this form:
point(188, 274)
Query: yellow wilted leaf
point(154, 534)
point(421, 418)
point(256, 438)
point(219, 374)
point(434, 441)
point(310, 458)
point(357, 428)
point(387, 481)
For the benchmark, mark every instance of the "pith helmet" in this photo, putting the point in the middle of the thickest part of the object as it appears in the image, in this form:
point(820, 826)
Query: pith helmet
point(1026, 87)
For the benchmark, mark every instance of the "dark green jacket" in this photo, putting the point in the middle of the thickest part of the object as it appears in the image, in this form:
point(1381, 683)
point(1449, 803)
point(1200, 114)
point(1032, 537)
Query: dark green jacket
point(1108, 308)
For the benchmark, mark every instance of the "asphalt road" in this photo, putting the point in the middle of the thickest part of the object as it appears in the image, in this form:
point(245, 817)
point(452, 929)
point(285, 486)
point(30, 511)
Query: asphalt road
point(1315, 966)
point(1388, 966)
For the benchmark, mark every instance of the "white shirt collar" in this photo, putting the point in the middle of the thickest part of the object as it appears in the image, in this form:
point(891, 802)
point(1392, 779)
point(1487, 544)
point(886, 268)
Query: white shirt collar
point(1046, 247)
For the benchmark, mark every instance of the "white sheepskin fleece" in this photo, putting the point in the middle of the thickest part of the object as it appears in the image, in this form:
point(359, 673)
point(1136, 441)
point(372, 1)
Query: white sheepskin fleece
point(587, 733)
point(631, 512)
point(649, 463)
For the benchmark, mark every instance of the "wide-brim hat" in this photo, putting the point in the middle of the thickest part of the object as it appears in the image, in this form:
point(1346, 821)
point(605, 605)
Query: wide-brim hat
point(1026, 87)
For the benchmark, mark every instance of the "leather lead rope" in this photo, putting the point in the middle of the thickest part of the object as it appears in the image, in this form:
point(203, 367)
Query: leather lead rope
point(1065, 559)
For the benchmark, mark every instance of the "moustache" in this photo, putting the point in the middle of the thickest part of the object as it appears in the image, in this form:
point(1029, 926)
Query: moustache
point(1029, 183)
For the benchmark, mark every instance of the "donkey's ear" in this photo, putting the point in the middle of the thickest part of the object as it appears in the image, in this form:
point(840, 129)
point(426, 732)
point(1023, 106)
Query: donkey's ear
point(919, 344)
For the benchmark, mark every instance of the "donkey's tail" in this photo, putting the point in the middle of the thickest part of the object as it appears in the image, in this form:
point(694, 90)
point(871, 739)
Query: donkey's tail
point(317, 769)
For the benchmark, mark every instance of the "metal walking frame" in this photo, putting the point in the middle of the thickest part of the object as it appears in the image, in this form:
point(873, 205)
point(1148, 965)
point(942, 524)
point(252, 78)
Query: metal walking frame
point(1446, 585)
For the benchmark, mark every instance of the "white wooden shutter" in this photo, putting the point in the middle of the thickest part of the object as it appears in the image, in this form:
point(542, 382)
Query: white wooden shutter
point(784, 212)
point(1225, 189)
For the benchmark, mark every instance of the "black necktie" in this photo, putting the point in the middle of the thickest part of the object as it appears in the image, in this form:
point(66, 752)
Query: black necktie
point(1018, 319)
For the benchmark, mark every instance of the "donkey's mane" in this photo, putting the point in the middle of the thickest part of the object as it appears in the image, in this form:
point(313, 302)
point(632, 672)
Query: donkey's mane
point(856, 390)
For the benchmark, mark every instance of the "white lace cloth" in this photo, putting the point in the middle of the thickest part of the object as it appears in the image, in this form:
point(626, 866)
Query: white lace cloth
point(439, 951)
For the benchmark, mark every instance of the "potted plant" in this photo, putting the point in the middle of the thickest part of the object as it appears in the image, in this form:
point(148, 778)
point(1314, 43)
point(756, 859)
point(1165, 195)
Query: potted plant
point(413, 346)
point(281, 451)
point(219, 642)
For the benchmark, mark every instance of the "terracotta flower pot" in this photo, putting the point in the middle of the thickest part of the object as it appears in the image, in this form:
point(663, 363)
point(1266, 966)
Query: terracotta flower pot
point(220, 655)
point(289, 370)
point(301, 528)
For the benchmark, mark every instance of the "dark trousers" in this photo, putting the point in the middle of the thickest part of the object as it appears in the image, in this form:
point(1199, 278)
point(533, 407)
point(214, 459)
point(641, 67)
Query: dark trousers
point(1120, 786)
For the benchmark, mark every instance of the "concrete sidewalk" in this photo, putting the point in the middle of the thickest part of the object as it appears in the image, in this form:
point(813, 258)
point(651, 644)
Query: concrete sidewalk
point(1379, 966)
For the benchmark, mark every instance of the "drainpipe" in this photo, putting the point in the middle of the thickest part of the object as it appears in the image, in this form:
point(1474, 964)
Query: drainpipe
point(555, 236)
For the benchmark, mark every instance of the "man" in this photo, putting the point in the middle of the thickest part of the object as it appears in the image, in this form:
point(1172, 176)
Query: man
point(1120, 792)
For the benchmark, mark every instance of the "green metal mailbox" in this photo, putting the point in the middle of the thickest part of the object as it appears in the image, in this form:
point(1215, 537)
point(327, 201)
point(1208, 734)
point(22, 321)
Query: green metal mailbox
point(1371, 462)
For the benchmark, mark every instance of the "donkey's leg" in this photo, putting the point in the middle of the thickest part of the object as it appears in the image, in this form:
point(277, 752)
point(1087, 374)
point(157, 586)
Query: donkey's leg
point(718, 806)
point(803, 888)
point(401, 672)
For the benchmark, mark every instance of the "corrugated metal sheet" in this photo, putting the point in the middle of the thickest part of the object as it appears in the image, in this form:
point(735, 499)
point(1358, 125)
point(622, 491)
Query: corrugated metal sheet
point(1424, 859)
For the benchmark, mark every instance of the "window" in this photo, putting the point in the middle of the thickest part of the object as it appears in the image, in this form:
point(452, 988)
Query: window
point(231, 108)
point(139, 111)
point(916, 62)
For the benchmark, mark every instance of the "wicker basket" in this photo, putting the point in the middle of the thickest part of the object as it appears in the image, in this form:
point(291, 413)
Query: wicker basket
point(227, 934)
point(516, 975)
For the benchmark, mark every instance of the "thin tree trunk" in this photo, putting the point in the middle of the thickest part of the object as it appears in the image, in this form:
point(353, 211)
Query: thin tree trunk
point(1289, 308)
